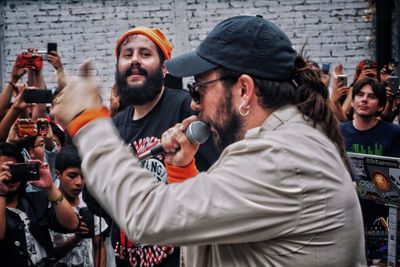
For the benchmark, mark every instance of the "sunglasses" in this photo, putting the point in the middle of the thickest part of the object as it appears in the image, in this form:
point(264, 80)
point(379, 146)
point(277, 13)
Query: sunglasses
point(195, 87)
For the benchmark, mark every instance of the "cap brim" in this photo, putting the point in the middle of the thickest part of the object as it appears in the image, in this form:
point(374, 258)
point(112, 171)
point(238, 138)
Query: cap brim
point(188, 65)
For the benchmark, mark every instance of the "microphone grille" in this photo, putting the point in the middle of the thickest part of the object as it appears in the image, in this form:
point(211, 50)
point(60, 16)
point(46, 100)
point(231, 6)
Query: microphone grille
point(198, 132)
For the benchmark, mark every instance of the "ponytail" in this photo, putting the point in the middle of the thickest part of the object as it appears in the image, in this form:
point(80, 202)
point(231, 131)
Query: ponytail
point(305, 90)
point(311, 99)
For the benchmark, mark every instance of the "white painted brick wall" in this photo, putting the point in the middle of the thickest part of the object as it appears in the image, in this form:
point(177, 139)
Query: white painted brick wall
point(336, 31)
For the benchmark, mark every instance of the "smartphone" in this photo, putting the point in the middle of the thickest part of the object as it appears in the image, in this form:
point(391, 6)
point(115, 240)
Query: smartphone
point(38, 96)
point(342, 79)
point(51, 47)
point(326, 68)
point(393, 83)
point(88, 218)
point(29, 127)
point(22, 172)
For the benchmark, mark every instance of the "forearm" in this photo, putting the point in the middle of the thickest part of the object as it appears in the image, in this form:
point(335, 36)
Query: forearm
point(2, 217)
point(387, 113)
point(99, 251)
point(5, 97)
point(39, 111)
point(66, 216)
point(336, 108)
point(60, 250)
point(61, 78)
point(7, 123)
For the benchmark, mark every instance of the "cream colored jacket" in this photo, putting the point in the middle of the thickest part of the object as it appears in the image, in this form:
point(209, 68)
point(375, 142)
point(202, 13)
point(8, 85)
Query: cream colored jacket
point(280, 197)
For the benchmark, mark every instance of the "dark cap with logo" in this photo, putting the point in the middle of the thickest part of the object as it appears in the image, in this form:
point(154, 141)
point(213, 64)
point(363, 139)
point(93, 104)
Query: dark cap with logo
point(246, 44)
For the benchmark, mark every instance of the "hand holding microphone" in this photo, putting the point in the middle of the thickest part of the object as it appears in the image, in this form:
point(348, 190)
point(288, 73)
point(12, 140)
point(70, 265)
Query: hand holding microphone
point(180, 142)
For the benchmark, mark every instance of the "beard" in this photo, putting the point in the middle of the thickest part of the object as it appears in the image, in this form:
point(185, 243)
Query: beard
point(228, 124)
point(139, 94)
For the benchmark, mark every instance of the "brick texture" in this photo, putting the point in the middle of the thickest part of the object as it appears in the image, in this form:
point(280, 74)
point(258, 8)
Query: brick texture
point(337, 31)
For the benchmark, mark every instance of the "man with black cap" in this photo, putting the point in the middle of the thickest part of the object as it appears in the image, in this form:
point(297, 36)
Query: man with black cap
point(279, 195)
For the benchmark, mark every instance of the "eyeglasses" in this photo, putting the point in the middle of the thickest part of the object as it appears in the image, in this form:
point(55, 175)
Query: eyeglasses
point(194, 88)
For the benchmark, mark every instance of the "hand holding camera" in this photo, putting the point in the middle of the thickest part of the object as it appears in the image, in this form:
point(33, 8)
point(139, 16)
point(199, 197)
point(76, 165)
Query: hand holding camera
point(29, 127)
point(33, 58)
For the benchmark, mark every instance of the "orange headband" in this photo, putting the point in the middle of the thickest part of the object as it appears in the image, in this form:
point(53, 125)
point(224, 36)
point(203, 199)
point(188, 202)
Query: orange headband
point(155, 34)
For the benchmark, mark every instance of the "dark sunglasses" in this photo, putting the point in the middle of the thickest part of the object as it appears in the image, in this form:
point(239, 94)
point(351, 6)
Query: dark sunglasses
point(194, 88)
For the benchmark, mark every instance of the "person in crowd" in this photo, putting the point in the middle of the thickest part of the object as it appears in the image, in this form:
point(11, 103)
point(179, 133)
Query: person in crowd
point(279, 195)
point(86, 246)
point(55, 60)
point(148, 109)
point(25, 218)
point(59, 137)
point(367, 134)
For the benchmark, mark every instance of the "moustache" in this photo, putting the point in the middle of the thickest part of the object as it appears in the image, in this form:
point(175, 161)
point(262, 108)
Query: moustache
point(137, 69)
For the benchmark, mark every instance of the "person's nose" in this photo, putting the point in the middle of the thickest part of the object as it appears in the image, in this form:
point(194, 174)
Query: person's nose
point(79, 181)
point(135, 60)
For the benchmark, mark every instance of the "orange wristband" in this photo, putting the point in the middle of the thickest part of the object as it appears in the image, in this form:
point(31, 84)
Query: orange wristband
point(179, 174)
point(86, 117)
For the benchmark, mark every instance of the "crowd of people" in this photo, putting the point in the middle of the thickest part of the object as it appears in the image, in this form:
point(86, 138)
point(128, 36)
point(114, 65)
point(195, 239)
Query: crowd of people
point(272, 186)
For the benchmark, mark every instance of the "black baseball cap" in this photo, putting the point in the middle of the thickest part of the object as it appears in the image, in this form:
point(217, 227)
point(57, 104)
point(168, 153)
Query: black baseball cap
point(246, 44)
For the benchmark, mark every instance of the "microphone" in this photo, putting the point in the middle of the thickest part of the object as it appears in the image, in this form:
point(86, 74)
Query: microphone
point(197, 132)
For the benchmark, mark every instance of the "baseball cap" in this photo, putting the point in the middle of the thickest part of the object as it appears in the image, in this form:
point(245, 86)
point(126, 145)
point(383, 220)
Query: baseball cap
point(246, 44)
point(154, 34)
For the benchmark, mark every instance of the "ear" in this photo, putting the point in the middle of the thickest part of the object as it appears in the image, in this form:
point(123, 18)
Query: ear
point(58, 173)
point(246, 89)
point(30, 152)
point(164, 69)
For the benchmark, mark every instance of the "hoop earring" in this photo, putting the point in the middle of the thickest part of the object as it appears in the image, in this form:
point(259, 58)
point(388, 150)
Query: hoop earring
point(247, 110)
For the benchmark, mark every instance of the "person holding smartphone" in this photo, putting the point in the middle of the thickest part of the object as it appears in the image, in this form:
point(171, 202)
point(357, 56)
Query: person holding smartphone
point(85, 247)
point(25, 218)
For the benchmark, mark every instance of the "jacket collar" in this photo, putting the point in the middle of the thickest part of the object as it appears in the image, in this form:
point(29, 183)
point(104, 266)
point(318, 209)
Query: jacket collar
point(275, 120)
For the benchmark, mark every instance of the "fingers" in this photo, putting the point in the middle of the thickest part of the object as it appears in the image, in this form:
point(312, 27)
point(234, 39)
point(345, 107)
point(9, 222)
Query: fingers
point(85, 70)
point(186, 122)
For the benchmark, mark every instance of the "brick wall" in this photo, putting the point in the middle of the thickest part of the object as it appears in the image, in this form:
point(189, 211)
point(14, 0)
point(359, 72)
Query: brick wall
point(337, 31)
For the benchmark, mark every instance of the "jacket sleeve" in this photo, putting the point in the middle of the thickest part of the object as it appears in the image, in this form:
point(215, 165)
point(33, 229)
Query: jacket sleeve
point(216, 207)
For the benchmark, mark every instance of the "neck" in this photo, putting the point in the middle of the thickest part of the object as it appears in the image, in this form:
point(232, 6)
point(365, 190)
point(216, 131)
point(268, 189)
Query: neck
point(73, 201)
point(364, 123)
point(257, 117)
point(12, 201)
point(142, 110)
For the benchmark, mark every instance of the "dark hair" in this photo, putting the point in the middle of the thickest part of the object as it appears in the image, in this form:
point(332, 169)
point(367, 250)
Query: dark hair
point(377, 88)
point(26, 142)
point(58, 132)
point(10, 150)
point(365, 62)
point(159, 51)
point(304, 90)
point(68, 158)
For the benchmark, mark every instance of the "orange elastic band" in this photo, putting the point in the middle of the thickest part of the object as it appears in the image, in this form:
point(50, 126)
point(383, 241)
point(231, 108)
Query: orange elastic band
point(179, 174)
point(86, 117)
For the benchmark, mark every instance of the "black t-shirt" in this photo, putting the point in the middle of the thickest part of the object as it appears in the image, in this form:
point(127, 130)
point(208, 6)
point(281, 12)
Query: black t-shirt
point(383, 140)
point(141, 135)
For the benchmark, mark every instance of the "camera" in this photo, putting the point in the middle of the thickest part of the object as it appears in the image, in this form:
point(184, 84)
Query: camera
point(22, 172)
point(30, 59)
point(38, 96)
point(29, 127)
point(393, 83)
point(391, 66)
point(342, 79)
point(88, 219)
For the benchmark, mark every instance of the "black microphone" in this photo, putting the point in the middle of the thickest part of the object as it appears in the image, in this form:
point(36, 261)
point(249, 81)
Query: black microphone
point(197, 132)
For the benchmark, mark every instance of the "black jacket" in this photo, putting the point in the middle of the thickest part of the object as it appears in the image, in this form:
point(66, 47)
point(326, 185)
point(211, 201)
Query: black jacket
point(13, 248)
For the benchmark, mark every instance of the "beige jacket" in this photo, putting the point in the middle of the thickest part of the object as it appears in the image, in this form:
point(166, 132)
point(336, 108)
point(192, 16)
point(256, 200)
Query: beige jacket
point(280, 197)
